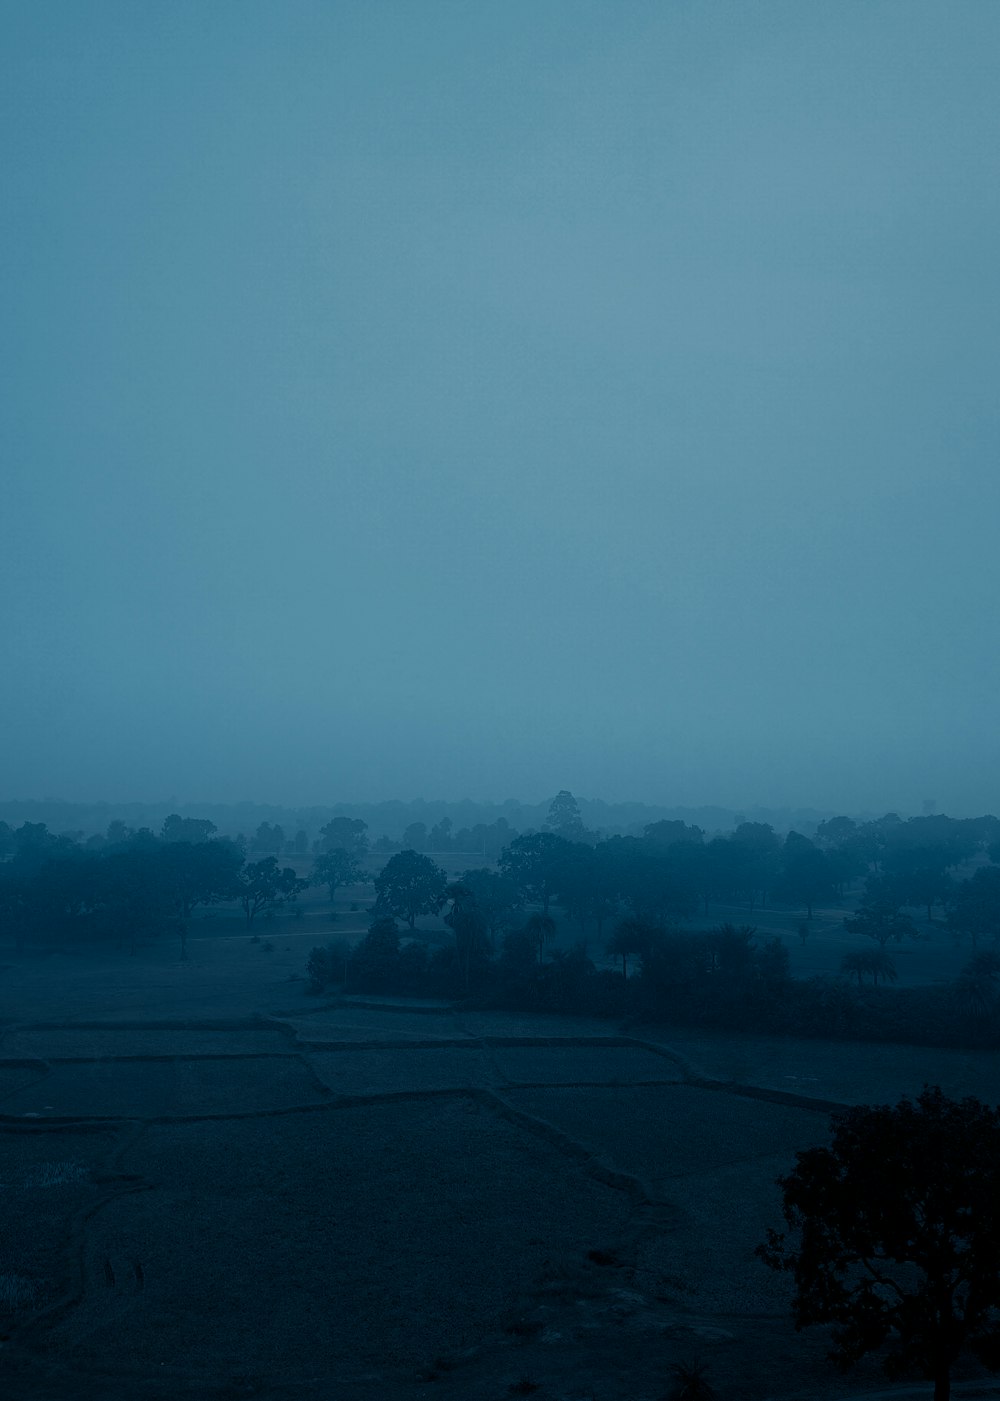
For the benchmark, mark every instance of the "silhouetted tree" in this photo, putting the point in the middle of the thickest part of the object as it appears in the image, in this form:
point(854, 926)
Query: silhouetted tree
point(757, 856)
point(410, 885)
point(187, 829)
point(876, 963)
point(564, 817)
point(689, 1382)
point(630, 937)
point(262, 885)
point(496, 899)
point(880, 917)
point(540, 928)
point(336, 868)
point(668, 832)
point(898, 1235)
point(656, 884)
point(466, 919)
point(345, 834)
point(805, 876)
point(587, 885)
point(533, 863)
point(415, 837)
point(198, 872)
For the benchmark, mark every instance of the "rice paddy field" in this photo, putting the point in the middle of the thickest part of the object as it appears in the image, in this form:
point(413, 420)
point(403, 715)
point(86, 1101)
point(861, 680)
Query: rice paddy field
point(218, 1187)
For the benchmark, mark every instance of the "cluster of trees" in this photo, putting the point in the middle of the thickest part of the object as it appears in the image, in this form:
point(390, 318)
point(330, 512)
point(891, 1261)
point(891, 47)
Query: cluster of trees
point(725, 976)
point(131, 883)
point(673, 871)
point(484, 839)
point(636, 892)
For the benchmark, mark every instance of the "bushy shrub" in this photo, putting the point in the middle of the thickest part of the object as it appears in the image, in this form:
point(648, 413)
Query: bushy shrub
point(327, 964)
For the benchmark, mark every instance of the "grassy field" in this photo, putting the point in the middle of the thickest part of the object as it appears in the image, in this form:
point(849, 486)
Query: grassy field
point(217, 1187)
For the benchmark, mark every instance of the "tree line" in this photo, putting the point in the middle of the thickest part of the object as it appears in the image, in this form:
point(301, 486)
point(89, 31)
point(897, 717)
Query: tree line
point(640, 895)
point(134, 885)
point(637, 894)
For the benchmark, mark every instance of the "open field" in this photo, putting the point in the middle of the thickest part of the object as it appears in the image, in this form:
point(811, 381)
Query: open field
point(217, 1187)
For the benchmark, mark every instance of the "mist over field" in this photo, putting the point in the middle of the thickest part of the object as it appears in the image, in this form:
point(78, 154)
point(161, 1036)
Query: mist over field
point(467, 401)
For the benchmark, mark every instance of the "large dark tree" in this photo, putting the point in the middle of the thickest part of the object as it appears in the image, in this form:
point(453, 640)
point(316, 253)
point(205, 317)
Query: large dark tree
point(588, 889)
point(466, 919)
point(409, 885)
point(757, 857)
point(657, 885)
point(262, 885)
point(880, 917)
point(496, 899)
point(198, 873)
point(806, 877)
point(533, 863)
point(898, 1235)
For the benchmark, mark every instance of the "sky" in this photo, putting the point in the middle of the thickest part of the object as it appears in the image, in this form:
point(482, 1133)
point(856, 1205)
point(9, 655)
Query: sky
point(453, 399)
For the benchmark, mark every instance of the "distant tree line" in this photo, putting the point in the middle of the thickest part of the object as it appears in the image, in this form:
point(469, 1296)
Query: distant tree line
point(130, 885)
point(641, 893)
point(391, 818)
point(638, 895)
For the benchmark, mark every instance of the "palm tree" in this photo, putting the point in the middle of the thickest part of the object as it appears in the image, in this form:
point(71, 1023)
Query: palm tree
point(875, 962)
point(540, 928)
point(690, 1382)
point(977, 984)
point(630, 936)
point(466, 919)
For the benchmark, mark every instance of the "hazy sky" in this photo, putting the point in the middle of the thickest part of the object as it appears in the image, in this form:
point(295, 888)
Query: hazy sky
point(485, 397)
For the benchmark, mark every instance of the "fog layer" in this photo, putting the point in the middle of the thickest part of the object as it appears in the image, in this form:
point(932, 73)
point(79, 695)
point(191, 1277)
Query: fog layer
point(484, 400)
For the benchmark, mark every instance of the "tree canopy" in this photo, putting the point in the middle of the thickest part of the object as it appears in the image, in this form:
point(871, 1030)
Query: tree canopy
point(410, 885)
point(898, 1227)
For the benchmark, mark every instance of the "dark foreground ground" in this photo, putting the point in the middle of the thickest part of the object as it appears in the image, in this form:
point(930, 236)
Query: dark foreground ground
point(214, 1187)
